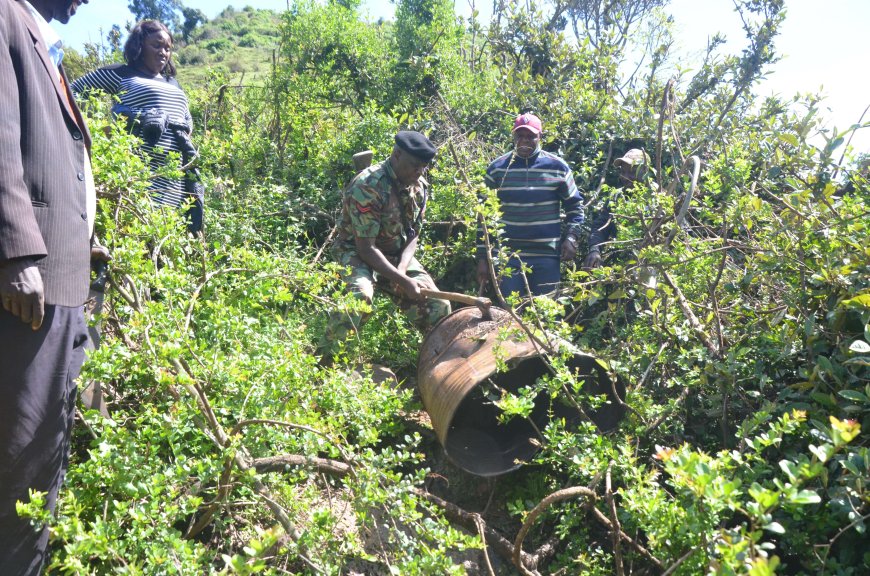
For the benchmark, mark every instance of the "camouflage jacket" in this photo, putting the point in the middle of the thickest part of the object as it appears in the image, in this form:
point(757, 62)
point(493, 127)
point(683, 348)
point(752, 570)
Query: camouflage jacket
point(373, 206)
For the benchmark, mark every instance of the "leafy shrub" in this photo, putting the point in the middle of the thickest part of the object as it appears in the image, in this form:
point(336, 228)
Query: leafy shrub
point(219, 46)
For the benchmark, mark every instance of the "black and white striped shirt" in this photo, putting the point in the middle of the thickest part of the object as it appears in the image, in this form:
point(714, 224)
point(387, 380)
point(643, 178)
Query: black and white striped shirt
point(140, 92)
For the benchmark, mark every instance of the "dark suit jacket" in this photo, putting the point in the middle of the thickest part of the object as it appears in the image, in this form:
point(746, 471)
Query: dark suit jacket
point(43, 142)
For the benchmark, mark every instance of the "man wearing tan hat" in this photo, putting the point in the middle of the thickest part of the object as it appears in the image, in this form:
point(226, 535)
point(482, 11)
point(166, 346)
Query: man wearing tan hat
point(633, 167)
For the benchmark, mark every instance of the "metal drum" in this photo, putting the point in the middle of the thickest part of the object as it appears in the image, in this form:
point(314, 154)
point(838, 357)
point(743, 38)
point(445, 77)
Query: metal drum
point(457, 375)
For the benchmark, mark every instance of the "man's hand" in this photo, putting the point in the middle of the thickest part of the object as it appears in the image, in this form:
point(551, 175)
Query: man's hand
point(569, 249)
point(411, 289)
point(100, 254)
point(369, 254)
point(593, 259)
point(482, 273)
point(22, 292)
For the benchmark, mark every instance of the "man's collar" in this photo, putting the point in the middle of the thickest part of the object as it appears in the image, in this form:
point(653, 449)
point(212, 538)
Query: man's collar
point(388, 166)
point(531, 157)
point(52, 39)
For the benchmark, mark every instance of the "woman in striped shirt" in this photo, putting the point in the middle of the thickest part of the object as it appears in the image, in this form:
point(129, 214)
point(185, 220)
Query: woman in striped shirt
point(157, 107)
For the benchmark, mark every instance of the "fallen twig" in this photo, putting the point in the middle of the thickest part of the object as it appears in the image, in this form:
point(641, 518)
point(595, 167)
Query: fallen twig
point(690, 316)
point(598, 515)
point(481, 527)
point(658, 421)
point(617, 548)
point(558, 496)
point(667, 101)
point(325, 244)
point(498, 542)
point(679, 561)
point(280, 463)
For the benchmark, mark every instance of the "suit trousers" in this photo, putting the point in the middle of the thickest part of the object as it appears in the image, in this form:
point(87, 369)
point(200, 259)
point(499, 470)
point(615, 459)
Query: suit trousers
point(38, 370)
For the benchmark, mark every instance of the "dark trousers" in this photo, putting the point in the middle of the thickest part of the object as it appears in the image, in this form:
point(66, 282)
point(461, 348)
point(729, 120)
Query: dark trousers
point(193, 215)
point(37, 407)
point(543, 277)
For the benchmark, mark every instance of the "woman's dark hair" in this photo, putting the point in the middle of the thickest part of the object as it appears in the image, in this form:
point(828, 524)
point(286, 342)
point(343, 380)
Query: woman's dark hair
point(133, 45)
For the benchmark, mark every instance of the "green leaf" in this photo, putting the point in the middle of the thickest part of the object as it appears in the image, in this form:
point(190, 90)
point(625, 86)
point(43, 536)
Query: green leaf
point(860, 347)
point(834, 144)
point(853, 395)
point(861, 300)
point(788, 139)
point(824, 399)
point(775, 527)
point(825, 364)
point(766, 498)
point(823, 452)
point(790, 469)
point(805, 497)
point(603, 363)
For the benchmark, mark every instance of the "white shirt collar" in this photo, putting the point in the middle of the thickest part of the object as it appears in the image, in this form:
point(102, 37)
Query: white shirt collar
point(52, 39)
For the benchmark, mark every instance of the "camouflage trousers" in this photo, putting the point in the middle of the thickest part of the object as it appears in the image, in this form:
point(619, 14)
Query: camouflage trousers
point(362, 281)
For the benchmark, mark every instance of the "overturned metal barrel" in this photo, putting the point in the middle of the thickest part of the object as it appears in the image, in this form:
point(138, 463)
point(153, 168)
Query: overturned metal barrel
point(457, 373)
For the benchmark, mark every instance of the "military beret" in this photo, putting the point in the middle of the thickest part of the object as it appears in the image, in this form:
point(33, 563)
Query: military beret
point(416, 145)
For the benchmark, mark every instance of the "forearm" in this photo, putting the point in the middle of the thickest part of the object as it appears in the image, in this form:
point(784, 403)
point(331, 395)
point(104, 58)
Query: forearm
point(574, 222)
point(100, 80)
point(603, 229)
point(407, 255)
point(572, 205)
point(379, 262)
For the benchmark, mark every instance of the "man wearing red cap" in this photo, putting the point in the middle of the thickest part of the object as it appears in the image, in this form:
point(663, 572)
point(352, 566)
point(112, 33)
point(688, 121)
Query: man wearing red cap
point(533, 187)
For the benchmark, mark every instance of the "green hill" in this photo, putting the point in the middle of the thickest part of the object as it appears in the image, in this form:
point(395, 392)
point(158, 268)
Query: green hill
point(239, 41)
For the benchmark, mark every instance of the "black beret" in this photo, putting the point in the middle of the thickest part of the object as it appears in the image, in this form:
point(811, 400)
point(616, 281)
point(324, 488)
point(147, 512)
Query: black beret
point(416, 145)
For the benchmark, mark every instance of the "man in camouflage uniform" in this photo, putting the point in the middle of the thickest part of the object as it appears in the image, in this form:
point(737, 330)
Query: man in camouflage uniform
point(381, 217)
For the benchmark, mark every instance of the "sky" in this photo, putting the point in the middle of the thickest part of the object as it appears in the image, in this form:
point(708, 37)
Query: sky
point(824, 44)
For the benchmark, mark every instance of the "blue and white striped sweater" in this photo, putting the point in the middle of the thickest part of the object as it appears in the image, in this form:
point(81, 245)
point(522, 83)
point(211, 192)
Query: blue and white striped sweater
point(532, 193)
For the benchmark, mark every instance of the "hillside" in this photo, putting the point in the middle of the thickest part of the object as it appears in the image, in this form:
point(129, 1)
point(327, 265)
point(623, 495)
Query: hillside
point(241, 42)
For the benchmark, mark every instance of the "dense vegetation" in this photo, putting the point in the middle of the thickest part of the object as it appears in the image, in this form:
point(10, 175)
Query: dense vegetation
point(740, 325)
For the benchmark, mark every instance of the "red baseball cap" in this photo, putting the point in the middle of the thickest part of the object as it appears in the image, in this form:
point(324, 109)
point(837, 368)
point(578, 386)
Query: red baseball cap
point(529, 121)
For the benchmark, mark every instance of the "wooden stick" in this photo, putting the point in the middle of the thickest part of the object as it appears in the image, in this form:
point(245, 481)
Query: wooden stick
point(558, 496)
point(482, 303)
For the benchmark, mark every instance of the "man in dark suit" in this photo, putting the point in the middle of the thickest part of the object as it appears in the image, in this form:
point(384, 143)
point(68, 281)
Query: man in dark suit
point(46, 222)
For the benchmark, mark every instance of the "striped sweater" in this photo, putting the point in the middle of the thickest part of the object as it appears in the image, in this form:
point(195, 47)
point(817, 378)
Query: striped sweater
point(140, 92)
point(531, 192)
